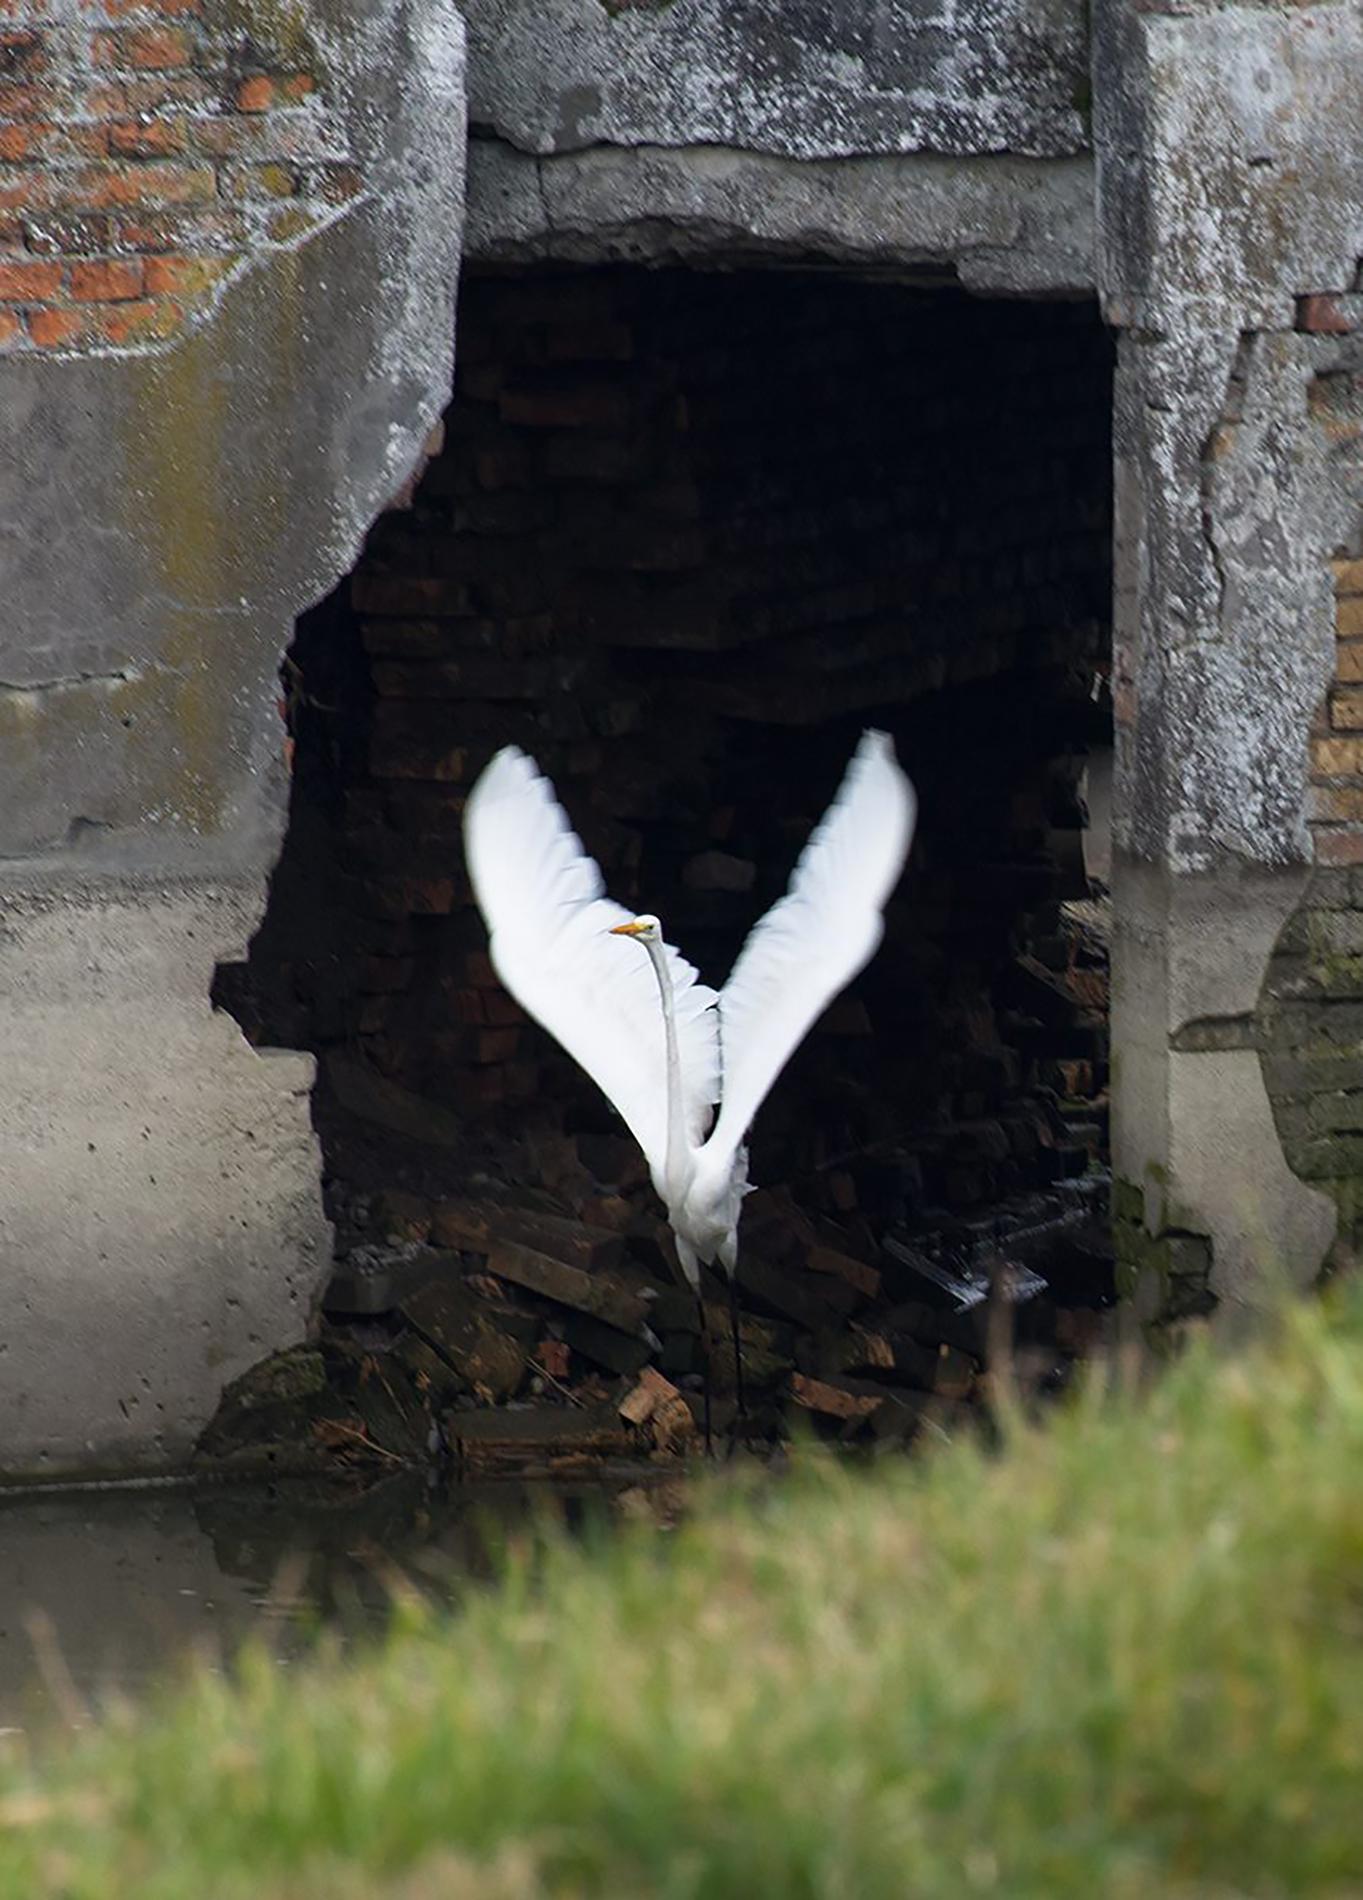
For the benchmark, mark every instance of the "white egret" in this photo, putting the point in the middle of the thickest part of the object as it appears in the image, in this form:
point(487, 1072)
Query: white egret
point(686, 1067)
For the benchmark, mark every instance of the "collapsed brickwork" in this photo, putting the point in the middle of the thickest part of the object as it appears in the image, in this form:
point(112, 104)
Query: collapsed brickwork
point(680, 544)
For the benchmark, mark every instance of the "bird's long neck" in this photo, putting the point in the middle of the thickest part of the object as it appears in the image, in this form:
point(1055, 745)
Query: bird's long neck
point(677, 1151)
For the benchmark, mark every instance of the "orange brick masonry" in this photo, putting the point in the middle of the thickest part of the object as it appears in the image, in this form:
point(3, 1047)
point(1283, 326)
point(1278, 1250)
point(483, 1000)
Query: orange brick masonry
point(147, 150)
point(1337, 740)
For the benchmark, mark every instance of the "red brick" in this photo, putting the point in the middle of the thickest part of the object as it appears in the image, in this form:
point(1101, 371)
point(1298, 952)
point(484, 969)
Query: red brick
point(67, 237)
point(157, 138)
point(184, 276)
point(1323, 314)
point(340, 183)
point(108, 100)
point(26, 190)
point(19, 101)
point(158, 92)
point(554, 1357)
point(1349, 617)
point(1348, 576)
point(1337, 844)
point(1349, 662)
point(78, 141)
point(152, 182)
point(229, 135)
point(21, 52)
point(144, 321)
point(10, 328)
point(143, 48)
point(255, 94)
point(110, 280)
point(180, 231)
point(30, 283)
point(50, 329)
point(20, 141)
point(259, 182)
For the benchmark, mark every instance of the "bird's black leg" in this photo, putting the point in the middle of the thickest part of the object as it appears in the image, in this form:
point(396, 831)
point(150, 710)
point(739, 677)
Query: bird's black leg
point(706, 1355)
point(740, 1416)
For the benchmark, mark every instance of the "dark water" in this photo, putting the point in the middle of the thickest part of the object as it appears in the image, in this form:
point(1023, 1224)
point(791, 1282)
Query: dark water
point(103, 1594)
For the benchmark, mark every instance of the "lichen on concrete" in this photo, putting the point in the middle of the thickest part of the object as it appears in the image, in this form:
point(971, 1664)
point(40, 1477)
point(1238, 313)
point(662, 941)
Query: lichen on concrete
point(799, 80)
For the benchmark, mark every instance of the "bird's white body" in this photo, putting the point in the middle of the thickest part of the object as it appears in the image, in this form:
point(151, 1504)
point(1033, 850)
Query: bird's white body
point(687, 1067)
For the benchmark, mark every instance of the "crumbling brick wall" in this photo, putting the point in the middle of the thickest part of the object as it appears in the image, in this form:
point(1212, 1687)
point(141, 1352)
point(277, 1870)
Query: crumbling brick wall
point(147, 152)
point(687, 533)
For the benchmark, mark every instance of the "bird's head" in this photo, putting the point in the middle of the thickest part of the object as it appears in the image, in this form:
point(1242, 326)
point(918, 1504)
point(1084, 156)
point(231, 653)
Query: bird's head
point(644, 929)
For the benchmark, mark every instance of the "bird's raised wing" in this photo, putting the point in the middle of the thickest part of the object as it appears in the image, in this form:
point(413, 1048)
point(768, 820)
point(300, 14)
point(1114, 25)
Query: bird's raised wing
point(548, 920)
point(812, 942)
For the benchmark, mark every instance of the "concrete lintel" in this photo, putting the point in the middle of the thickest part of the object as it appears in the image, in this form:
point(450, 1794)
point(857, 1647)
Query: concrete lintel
point(999, 224)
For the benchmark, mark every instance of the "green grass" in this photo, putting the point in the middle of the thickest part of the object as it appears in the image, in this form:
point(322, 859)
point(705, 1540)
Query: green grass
point(1124, 1657)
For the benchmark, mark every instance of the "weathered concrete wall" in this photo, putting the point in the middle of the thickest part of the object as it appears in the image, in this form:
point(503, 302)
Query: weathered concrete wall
point(1230, 188)
point(997, 224)
point(783, 76)
point(167, 512)
point(946, 141)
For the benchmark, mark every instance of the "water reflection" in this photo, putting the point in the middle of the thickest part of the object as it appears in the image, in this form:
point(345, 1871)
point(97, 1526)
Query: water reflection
point(103, 1593)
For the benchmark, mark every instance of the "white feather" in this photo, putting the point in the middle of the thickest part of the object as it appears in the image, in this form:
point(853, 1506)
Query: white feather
point(542, 899)
point(814, 940)
point(549, 925)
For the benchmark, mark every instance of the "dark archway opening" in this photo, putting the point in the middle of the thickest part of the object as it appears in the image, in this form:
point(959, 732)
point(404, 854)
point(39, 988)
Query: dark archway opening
point(687, 534)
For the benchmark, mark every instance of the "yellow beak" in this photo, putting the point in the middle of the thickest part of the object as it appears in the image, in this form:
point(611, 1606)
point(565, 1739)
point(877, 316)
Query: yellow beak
point(627, 930)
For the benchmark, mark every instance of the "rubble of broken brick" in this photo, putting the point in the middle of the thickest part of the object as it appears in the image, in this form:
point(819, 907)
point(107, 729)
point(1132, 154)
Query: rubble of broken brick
point(514, 1307)
point(495, 1335)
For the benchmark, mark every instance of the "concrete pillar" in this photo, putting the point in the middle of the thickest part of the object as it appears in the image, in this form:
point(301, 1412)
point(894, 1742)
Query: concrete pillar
point(1228, 155)
point(176, 484)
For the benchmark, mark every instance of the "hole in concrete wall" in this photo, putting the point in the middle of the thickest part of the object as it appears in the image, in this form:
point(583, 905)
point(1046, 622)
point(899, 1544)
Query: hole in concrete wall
point(687, 535)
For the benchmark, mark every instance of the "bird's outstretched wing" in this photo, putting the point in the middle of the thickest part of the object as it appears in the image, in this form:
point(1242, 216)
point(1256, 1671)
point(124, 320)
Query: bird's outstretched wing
point(543, 901)
point(813, 940)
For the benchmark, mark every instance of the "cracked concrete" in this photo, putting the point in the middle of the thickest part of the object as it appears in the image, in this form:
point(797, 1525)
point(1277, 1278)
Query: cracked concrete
point(1229, 183)
point(1001, 225)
